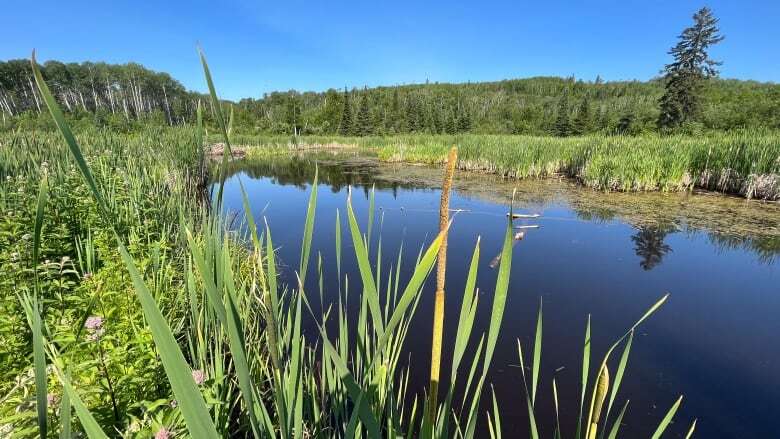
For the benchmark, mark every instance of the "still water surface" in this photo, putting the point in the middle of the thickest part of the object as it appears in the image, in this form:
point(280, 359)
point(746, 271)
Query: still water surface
point(608, 255)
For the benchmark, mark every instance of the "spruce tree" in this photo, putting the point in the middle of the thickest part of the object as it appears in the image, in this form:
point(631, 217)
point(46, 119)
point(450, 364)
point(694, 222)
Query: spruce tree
point(562, 124)
point(364, 123)
point(684, 78)
point(582, 123)
point(346, 127)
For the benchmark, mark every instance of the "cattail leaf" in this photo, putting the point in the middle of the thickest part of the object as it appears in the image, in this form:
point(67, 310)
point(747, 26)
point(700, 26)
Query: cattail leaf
point(690, 430)
point(619, 374)
point(667, 419)
point(585, 371)
point(616, 426)
point(537, 355)
point(308, 230)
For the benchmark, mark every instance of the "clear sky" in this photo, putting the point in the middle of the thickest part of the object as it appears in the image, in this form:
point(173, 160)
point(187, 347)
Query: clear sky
point(254, 47)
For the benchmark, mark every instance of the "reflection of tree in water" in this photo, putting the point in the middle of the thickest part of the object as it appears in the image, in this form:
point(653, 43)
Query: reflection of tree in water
point(299, 171)
point(649, 244)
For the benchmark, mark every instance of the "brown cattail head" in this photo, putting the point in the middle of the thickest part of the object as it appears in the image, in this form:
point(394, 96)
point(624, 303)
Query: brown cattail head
point(444, 215)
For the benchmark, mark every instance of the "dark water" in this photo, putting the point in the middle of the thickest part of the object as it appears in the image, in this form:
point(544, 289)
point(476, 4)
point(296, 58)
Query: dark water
point(608, 255)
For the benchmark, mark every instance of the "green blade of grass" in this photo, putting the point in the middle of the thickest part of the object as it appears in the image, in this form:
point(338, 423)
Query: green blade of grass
point(584, 381)
point(619, 375)
point(65, 427)
point(537, 355)
point(369, 287)
point(88, 422)
point(308, 230)
point(499, 297)
point(690, 431)
point(616, 426)
point(32, 311)
point(667, 419)
point(528, 402)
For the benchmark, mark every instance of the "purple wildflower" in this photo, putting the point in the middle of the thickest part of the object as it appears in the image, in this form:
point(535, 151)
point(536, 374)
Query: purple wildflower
point(51, 399)
point(174, 403)
point(94, 323)
point(198, 376)
point(163, 433)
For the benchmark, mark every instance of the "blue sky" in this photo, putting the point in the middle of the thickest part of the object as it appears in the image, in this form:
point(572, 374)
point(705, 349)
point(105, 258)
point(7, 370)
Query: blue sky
point(255, 47)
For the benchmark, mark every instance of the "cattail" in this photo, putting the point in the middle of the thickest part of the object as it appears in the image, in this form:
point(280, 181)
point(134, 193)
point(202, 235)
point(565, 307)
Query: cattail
point(602, 385)
point(438, 311)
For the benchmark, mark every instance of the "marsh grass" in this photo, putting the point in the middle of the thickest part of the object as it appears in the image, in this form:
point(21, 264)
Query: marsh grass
point(226, 339)
point(739, 162)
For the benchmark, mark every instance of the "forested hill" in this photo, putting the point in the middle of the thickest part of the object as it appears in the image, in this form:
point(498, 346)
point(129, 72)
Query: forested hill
point(120, 94)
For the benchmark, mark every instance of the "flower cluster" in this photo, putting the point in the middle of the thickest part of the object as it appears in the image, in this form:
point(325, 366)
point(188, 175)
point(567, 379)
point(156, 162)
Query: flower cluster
point(163, 433)
point(94, 326)
point(199, 376)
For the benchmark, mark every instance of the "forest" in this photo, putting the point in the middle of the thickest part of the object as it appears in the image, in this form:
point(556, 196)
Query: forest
point(125, 97)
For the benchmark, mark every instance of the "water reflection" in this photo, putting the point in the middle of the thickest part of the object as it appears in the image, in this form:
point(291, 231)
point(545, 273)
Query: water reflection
point(729, 223)
point(649, 245)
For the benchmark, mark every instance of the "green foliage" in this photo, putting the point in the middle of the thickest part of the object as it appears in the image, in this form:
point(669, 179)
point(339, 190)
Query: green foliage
point(516, 106)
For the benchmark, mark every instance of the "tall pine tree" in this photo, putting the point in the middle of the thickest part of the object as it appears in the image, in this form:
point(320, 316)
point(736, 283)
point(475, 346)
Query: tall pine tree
point(684, 78)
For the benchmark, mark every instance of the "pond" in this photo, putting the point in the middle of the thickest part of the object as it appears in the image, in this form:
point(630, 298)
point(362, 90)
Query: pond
point(608, 255)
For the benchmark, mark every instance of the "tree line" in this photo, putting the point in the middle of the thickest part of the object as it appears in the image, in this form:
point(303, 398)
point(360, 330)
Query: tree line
point(109, 93)
point(689, 97)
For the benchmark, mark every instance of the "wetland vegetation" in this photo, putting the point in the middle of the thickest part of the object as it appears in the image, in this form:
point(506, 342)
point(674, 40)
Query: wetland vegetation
point(291, 256)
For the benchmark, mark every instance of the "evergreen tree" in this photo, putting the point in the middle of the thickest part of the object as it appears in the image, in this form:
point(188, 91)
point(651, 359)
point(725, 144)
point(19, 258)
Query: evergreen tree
point(562, 124)
point(346, 127)
point(364, 123)
point(685, 76)
point(582, 123)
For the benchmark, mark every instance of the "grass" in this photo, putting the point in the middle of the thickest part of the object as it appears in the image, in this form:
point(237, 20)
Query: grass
point(746, 163)
point(217, 346)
